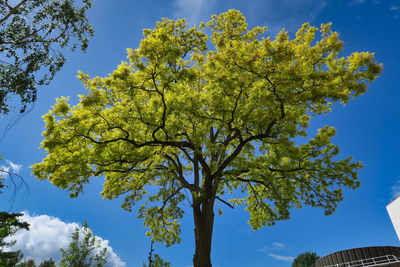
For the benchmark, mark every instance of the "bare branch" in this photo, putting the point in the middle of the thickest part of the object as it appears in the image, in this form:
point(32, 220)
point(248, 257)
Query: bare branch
point(225, 202)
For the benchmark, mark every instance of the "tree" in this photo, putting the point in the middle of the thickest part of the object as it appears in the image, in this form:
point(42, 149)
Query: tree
point(306, 259)
point(27, 263)
point(48, 263)
point(31, 263)
point(9, 225)
point(85, 251)
point(198, 123)
point(156, 260)
point(32, 36)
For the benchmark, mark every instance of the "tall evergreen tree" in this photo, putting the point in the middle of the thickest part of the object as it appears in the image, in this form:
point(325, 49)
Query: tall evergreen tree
point(9, 225)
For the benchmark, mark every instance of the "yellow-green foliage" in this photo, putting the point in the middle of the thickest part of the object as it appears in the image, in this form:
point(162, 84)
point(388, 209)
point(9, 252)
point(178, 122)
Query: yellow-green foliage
point(181, 116)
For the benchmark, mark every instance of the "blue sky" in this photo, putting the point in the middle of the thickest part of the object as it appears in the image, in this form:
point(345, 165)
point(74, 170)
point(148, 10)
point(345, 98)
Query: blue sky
point(368, 129)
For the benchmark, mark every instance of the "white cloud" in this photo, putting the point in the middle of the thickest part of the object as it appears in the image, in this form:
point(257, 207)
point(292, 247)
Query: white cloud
point(281, 258)
point(9, 174)
point(193, 10)
point(275, 246)
point(9, 168)
point(396, 190)
point(278, 245)
point(47, 235)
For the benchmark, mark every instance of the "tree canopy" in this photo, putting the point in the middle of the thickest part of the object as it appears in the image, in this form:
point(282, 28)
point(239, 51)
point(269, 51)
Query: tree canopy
point(32, 36)
point(9, 225)
point(306, 259)
point(31, 263)
point(85, 250)
point(157, 261)
point(190, 120)
point(154, 260)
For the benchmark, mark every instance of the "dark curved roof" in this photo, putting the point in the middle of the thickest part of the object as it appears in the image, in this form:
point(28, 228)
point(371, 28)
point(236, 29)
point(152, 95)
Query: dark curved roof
point(358, 254)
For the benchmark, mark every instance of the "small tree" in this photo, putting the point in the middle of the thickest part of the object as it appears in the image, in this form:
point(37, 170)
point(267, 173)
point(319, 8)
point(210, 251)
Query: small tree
point(306, 259)
point(198, 123)
point(85, 250)
point(155, 260)
point(9, 225)
point(48, 263)
point(27, 263)
point(31, 263)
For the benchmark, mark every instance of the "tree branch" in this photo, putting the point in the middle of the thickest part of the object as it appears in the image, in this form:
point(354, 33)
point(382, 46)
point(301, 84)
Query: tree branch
point(179, 172)
point(238, 149)
point(225, 202)
point(12, 11)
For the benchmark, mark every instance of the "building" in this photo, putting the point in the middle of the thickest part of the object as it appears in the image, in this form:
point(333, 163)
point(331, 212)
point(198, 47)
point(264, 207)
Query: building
point(368, 256)
point(362, 257)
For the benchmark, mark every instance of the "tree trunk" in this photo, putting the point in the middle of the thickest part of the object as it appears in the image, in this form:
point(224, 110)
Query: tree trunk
point(203, 214)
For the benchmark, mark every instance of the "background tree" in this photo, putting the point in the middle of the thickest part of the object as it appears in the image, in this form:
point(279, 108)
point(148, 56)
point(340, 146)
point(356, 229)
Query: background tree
point(27, 263)
point(31, 263)
point(85, 250)
point(48, 263)
point(198, 123)
point(155, 260)
point(9, 225)
point(306, 259)
point(32, 35)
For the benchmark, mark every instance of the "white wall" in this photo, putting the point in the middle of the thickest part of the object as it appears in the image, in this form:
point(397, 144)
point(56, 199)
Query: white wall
point(394, 212)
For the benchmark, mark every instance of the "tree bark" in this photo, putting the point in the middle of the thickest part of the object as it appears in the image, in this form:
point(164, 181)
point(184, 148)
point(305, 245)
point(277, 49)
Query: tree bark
point(203, 214)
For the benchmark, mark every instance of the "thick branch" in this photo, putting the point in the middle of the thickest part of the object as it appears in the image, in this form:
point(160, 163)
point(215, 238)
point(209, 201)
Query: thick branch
point(177, 144)
point(12, 11)
point(238, 149)
point(179, 172)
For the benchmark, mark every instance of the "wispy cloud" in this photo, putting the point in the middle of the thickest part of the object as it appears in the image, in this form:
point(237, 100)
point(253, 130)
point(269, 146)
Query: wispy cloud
point(286, 14)
point(275, 246)
point(10, 167)
point(356, 2)
point(47, 235)
point(246, 231)
point(396, 190)
point(395, 9)
point(193, 10)
point(13, 182)
point(281, 258)
point(276, 15)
